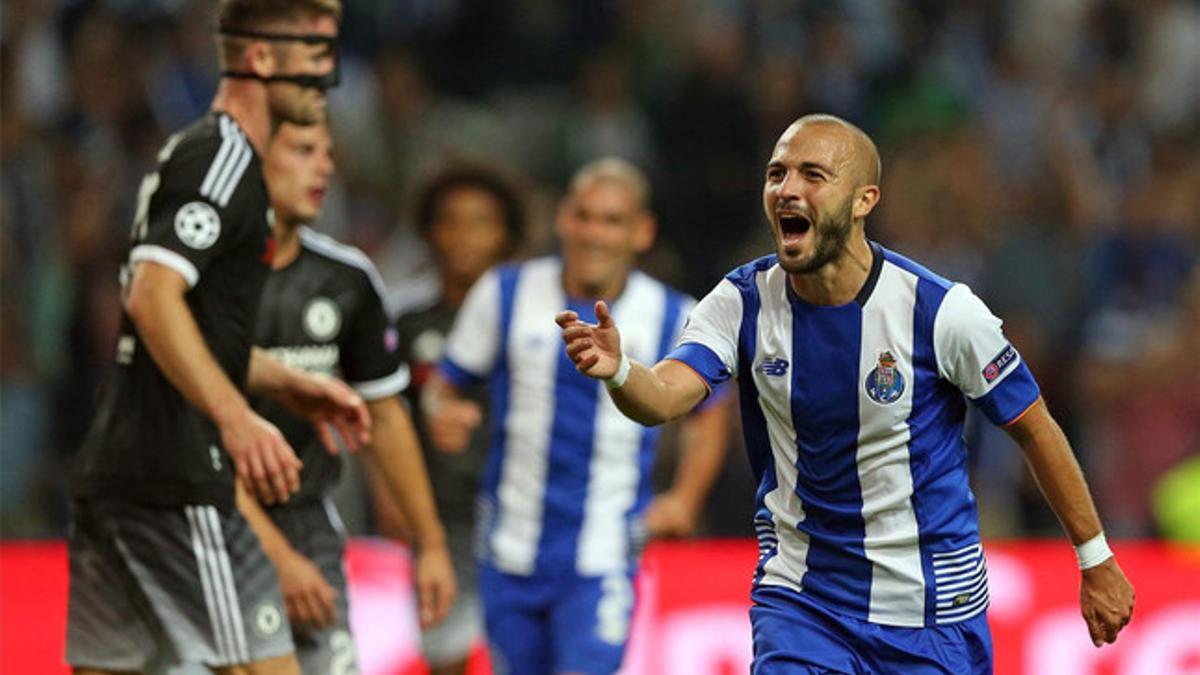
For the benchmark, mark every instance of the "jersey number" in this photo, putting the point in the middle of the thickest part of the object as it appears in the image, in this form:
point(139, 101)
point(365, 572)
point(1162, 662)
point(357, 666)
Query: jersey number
point(342, 660)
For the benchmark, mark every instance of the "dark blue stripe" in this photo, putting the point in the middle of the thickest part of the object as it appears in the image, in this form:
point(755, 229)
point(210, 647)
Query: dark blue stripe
point(499, 382)
point(930, 395)
point(942, 499)
point(456, 374)
point(825, 378)
point(572, 436)
point(702, 360)
point(1011, 397)
point(754, 424)
point(670, 319)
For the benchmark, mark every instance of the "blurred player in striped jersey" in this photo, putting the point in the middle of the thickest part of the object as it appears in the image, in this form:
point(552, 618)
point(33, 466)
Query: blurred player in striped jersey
point(566, 502)
point(855, 366)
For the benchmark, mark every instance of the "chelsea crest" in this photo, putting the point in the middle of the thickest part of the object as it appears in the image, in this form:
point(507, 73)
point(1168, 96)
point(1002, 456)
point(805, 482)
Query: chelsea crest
point(885, 384)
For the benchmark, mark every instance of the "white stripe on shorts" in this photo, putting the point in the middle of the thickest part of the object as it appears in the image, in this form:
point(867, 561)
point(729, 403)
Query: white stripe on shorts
point(242, 651)
point(200, 547)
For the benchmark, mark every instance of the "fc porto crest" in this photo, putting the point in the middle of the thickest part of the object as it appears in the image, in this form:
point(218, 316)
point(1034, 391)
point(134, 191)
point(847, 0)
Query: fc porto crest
point(885, 384)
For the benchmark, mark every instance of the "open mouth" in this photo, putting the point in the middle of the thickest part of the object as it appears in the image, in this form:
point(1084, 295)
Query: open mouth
point(794, 225)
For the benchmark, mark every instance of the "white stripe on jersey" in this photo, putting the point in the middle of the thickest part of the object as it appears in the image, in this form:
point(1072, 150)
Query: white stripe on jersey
point(344, 253)
point(227, 190)
point(614, 471)
point(227, 167)
point(167, 257)
point(892, 541)
point(532, 352)
point(774, 341)
point(228, 142)
point(201, 545)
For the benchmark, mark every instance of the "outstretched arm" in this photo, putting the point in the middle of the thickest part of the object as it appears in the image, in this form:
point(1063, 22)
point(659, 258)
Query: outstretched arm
point(1106, 597)
point(649, 396)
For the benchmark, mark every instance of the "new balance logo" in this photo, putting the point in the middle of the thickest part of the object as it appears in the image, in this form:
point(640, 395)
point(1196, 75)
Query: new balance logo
point(774, 367)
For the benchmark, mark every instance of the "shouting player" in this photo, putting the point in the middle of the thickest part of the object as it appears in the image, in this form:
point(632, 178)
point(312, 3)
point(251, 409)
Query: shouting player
point(163, 568)
point(567, 480)
point(855, 365)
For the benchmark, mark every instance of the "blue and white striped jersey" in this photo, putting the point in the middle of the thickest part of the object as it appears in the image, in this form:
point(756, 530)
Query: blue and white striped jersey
point(567, 475)
point(853, 419)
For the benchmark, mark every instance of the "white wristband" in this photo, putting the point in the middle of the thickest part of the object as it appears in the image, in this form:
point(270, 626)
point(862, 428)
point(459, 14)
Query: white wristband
point(618, 378)
point(1093, 552)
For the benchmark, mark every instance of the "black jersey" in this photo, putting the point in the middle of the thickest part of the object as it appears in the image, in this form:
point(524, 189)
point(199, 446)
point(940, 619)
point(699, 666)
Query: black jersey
point(455, 476)
point(204, 213)
point(323, 313)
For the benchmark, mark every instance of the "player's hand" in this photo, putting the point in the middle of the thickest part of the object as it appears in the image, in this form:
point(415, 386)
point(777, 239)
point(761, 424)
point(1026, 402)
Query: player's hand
point(330, 405)
point(670, 516)
point(594, 348)
point(451, 422)
point(436, 587)
point(309, 597)
point(1106, 600)
point(262, 456)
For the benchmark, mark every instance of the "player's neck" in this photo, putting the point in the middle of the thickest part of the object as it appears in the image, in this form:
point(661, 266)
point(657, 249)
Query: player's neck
point(287, 244)
point(454, 290)
point(246, 102)
point(838, 282)
point(609, 290)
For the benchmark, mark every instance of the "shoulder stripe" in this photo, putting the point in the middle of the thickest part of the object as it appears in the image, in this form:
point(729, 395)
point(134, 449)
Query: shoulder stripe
point(227, 172)
point(329, 247)
point(227, 168)
point(219, 160)
point(227, 192)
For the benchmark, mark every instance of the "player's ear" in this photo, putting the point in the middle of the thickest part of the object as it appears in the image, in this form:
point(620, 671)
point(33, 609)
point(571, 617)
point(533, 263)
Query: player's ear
point(865, 199)
point(646, 229)
point(262, 58)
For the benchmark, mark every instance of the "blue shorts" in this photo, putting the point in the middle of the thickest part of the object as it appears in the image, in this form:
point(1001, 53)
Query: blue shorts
point(792, 635)
point(542, 625)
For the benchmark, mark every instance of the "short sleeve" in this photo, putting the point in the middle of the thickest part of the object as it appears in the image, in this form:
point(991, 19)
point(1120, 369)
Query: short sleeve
point(973, 354)
point(370, 358)
point(184, 218)
point(474, 340)
point(708, 343)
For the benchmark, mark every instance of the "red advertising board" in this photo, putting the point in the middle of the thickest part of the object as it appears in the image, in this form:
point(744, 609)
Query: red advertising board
point(692, 612)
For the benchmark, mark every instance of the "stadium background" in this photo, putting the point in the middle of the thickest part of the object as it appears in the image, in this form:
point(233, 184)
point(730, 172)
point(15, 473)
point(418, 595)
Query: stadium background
point(1045, 151)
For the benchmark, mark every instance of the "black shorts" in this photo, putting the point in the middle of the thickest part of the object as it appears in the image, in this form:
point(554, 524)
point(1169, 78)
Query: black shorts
point(153, 586)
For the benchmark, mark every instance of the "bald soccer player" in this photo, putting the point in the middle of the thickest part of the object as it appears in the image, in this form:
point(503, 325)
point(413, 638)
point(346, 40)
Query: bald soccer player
point(855, 366)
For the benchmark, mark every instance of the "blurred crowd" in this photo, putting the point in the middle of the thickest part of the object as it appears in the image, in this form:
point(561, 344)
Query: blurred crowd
point(1047, 152)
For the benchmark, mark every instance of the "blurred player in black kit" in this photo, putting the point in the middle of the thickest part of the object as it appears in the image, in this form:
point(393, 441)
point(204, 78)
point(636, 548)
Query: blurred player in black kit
point(322, 311)
point(163, 567)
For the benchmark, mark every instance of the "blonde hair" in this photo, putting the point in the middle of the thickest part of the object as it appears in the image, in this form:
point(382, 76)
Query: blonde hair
point(257, 15)
point(616, 170)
